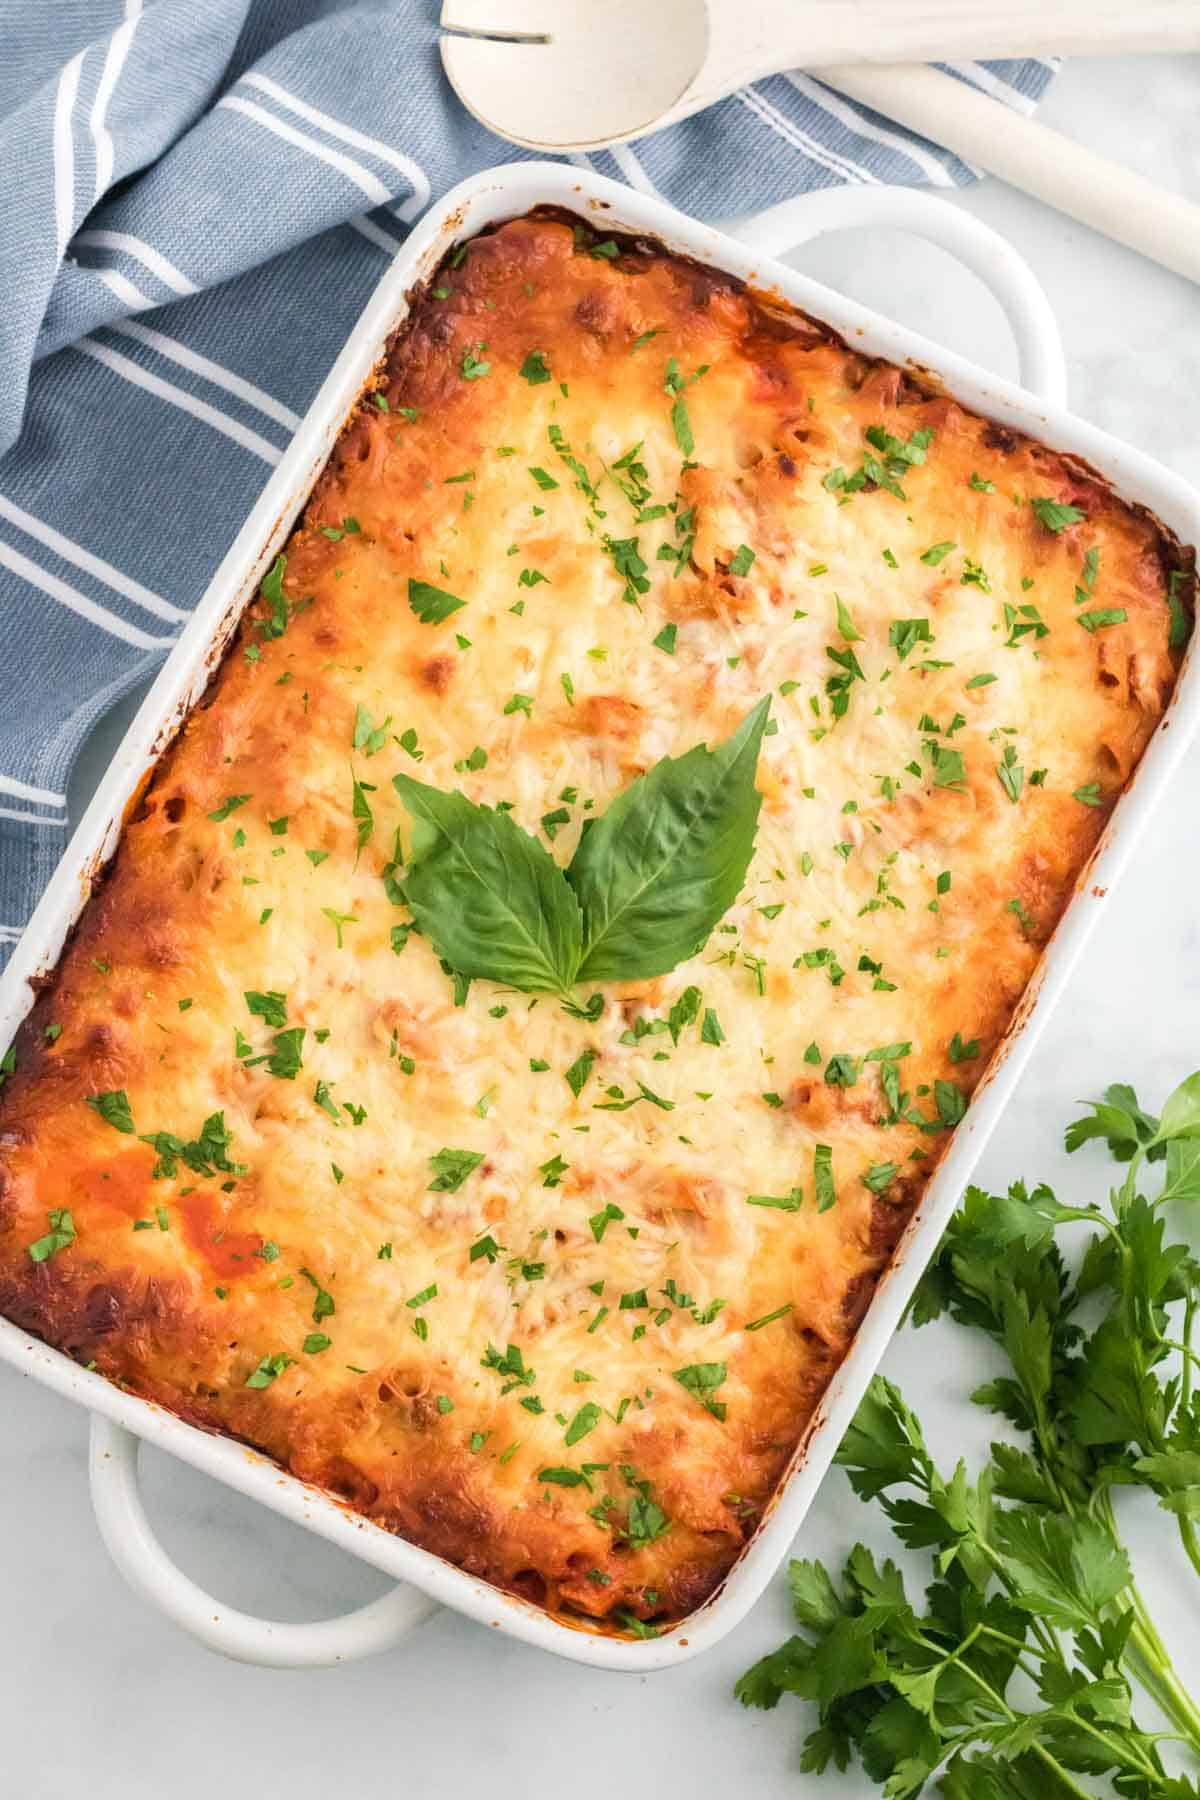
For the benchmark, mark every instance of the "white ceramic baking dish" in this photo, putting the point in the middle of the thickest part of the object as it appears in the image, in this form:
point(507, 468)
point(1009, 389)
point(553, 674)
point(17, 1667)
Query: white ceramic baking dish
point(120, 1421)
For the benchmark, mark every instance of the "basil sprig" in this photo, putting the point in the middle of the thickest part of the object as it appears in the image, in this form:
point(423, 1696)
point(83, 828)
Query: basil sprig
point(648, 882)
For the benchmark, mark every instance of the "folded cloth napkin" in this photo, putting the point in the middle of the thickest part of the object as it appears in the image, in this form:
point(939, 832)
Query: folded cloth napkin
point(198, 197)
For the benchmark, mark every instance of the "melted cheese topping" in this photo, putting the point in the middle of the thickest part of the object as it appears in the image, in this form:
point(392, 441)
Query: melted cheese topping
point(580, 1367)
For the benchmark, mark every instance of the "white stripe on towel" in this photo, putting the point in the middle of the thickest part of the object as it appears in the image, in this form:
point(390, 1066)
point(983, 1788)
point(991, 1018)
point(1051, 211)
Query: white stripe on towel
point(64, 150)
point(124, 289)
point(632, 170)
point(837, 108)
point(176, 396)
point(362, 178)
point(76, 602)
point(10, 812)
point(146, 254)
point(350, 135)
point(376, 235)
point(221, 377)
point(114, 62)
point(994, 85)
point(783, 127)
point(21, 790)
point(85, 559)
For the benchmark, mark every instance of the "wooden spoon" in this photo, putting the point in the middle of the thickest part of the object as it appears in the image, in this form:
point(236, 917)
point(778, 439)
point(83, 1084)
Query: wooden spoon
point(562, 75)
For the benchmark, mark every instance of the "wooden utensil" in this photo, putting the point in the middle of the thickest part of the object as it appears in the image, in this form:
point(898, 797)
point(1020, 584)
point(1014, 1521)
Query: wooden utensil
point(563, 75)
point(1088, 187)
point(560, 75)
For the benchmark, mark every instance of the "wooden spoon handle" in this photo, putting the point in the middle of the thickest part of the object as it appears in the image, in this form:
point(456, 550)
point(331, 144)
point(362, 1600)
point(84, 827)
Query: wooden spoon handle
point(1114, 200)
point(752, 38)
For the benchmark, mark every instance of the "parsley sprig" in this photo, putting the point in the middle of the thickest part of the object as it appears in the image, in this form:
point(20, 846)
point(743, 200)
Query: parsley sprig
point(1016, 1677)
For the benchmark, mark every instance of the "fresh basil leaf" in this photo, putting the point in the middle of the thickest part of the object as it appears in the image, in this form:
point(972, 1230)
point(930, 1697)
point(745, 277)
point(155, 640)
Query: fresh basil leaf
point(657, 871)
point(491, 900)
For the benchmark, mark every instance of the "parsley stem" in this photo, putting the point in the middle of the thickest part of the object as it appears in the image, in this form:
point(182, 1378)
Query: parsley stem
point(1000, 1703)
point(1187, 1530)
point(1149, 1655)
point(1134, 1759)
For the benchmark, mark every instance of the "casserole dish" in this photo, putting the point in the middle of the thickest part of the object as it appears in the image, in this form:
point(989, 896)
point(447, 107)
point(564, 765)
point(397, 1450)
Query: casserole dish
point(1135, 481)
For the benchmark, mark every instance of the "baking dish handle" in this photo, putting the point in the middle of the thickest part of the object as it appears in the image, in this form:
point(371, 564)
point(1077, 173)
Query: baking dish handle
point(989, 256)
point(270, 1643)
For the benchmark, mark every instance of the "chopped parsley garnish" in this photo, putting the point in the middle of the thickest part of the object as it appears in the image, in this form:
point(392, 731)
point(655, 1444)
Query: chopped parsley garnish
point(323, 1306)
point(702, 1381)
point(948, 768)
point(451, 1168)
point(204, 1155)
point(769, 1318)
point(630, 567)
point(471, 368)
point(1101, 617)
point(600, 1221)
point(710, 1028)
point(367, 736)
point(59, 1237)
point(1056, 517)
point(841, 1070)
point(576, 1076)
point(823, 1183)
point(903, 634)
point(230, 804)
point(269, 1369)
point(338, 919)
point(511, 1365)
point(114, 1109)
point(534, 369)
point(270, 1007)
point(1010, 772)
point(432, 605)
point(791, 1202)
point(585, 1420)
point(845, 623)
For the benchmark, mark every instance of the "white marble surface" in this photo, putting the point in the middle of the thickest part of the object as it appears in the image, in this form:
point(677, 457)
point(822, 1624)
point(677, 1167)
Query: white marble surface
point(99, 1696)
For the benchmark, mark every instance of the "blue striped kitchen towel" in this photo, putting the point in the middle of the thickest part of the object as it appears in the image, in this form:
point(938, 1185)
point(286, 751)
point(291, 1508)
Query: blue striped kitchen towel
point(197, 200)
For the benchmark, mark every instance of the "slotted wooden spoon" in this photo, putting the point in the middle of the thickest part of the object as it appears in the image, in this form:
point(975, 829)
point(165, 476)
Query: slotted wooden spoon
point(570, 75)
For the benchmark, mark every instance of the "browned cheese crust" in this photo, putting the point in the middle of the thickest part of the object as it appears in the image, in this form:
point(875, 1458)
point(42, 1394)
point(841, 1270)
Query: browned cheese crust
point(963, 683)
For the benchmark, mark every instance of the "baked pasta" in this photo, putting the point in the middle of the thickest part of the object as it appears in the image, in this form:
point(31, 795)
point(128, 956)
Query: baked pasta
point(550, 1282)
